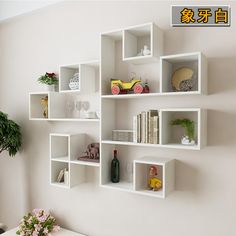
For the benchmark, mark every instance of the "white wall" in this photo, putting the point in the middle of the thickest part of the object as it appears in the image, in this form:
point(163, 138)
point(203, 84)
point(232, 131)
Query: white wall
point(204, 200)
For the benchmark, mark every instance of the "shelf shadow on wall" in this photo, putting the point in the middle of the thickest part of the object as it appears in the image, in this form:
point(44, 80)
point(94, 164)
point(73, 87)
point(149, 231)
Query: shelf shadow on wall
point(221, 130)
point(186, 177)
point(220, 75)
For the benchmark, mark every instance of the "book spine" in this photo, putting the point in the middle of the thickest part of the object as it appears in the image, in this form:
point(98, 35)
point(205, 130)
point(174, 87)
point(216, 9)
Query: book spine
point(139, 128)
point(147, 127)
point(151, 130)
point(155, 130)
point(135, 129)
point(143, 127)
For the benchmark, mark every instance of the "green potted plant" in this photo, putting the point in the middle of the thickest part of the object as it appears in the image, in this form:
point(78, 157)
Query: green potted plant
point(189, 130)
point(10, 135)
point(50, 80)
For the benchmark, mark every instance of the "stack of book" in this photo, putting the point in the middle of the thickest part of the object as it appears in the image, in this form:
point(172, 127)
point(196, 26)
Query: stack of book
point(146, 127)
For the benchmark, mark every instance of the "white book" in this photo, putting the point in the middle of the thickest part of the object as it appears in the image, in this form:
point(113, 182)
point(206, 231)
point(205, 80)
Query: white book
point(147, 127)
point(135, 129)
point(155, 129)
point(66, 177)
point(139, 128)
point(143, 127)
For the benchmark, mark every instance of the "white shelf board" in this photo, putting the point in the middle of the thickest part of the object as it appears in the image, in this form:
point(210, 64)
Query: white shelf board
point(85, 163)
point(39, 119)
point(61, 185)
point(142, 95)
point(61, 159)
point(130, 143)
point(174, 146)
point(181, 146)
point(73, 119)
point(140, 59)
point(122, 185)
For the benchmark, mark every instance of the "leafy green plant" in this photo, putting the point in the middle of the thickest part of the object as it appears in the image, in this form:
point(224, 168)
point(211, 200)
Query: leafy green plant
point(48, 79)
point(188, 125)
point(10, 135)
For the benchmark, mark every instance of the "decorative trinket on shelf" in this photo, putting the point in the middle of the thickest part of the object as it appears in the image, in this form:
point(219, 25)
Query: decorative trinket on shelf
point(49, 80)
point(135, 85)
point(115, 169)
point(74, 82)
point(122, 135)
point(144, 51)
point(92, 153)
point(44, 102)
point(154, 183)
point(188, 125)
point(183, 80)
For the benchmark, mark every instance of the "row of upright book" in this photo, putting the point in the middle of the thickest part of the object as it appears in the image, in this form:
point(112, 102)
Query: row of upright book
point(146, 127)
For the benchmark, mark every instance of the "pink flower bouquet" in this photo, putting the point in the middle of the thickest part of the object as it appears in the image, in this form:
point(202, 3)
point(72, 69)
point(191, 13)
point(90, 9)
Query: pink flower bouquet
point(37, 223)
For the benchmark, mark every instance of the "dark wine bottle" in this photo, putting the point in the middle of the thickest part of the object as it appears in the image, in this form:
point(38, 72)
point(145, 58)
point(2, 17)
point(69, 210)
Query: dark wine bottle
point(115, 169)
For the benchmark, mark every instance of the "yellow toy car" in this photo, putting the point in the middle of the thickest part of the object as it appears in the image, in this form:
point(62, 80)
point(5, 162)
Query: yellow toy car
point(121, 87)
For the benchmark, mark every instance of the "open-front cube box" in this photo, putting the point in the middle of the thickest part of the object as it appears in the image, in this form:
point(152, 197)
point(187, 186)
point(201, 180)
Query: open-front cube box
point(189, 71)
point(66, 74)
point(165, 173)
point(115, 66)
point(171, 135)
point(65, 147)
point(36, 108)
point(142, 43)
point(81, 77)
point(60, 174)
point(126, 168)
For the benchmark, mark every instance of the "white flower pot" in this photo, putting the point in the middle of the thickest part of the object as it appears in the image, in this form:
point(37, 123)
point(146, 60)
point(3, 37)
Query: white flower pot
point(49, 88)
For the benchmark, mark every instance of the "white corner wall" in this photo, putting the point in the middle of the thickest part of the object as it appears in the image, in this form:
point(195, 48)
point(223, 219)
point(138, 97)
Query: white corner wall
point(204, 200)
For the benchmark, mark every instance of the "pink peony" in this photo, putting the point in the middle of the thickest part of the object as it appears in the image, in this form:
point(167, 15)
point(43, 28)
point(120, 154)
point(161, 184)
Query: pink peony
point(56, 228)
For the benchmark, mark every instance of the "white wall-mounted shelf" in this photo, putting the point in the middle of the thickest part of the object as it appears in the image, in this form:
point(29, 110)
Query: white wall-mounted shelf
point(62, 106)
point(119, 51)
point(169, 136)
point(88, 73)
point(137, 180)
point(134, 39)
point(64, 150)
point(166, 173)
point(195, 61)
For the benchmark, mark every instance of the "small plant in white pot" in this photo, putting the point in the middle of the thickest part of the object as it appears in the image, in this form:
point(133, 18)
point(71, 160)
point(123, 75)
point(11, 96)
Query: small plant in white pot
point(49, 80)
point(188, 125)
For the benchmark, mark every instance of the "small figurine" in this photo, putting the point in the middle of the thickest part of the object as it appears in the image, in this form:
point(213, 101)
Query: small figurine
point(92, 153)
point(134, 85)
point(183, 80)
point(154, 183)
point(146, 51)
point(44, 102)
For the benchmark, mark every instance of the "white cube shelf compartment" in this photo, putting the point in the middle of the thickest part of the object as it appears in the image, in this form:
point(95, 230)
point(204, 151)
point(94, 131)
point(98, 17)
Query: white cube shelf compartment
point(126, 182)
point(55, 168)
point(165, 172)
point(136, 37)
point(88, 73)
point(36, 109)
point(66, 147)
point(59, 105)
point(195, 61)
point(119, 54)
point(171, 135)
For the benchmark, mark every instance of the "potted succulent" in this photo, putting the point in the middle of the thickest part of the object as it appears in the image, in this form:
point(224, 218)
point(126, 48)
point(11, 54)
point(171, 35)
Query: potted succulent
point(10, 135)
point(49, 80)
point(188, 125)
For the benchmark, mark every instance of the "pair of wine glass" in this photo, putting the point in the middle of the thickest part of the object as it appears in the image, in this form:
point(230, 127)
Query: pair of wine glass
point(80, 106)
